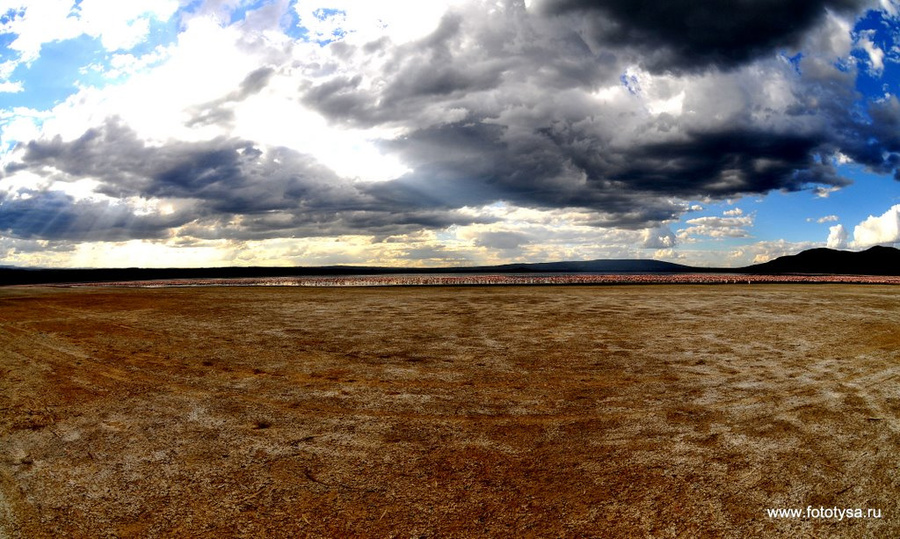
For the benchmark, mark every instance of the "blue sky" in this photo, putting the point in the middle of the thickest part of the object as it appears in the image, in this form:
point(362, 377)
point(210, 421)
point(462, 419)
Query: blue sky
point(229, 132)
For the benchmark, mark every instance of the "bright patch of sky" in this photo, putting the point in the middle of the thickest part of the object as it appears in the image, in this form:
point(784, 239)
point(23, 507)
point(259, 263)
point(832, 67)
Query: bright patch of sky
point(56, 74)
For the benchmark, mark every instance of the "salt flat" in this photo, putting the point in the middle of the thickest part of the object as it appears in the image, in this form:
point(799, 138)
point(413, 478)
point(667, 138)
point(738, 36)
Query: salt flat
point(649, 410)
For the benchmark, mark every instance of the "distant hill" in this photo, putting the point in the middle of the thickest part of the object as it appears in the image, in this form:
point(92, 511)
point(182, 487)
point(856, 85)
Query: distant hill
point(11, 276)
point(590, 266)
point(874, 261)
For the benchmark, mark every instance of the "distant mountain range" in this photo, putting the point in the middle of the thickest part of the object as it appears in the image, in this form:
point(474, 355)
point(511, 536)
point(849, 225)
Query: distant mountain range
point(873, 261)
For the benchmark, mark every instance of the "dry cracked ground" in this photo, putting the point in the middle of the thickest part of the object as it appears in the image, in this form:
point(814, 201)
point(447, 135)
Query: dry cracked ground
point(606, 411)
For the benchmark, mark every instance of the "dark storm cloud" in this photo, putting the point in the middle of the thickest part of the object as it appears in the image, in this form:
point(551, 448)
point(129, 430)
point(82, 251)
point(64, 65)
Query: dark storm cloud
point(561, 166)
point(54, 215)
point(690, 34)
point(541, 109)
point(223, 175)
point(722, 164)
point(220, 111)
point(253, 83)
point(501, 240)
point(340, 98)
point(232, 189)
point(435, 70)
point(473, 61)
point(877, 143)
point(533, 135)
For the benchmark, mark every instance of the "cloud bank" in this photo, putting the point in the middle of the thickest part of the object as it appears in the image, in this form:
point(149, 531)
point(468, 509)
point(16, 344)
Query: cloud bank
point(329, 119)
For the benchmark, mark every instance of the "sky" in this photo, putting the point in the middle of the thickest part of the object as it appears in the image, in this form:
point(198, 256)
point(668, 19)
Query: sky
point(185, 133)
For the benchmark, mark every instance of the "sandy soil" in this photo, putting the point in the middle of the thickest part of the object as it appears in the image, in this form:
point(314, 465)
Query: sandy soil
point(663, 411)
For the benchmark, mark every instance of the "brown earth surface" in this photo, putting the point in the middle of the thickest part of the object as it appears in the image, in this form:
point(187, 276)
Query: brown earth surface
point(627, 411)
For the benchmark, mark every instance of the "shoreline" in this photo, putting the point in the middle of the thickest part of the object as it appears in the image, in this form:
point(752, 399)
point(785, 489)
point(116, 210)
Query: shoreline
point(488, 280)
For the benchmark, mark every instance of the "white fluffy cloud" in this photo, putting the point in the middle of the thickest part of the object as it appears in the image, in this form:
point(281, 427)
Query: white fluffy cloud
point(717, 227)
point(876, 55)
point(825, 219)
point(837, 237)
point(880, 230)
point(119, 25)
point(659, 238)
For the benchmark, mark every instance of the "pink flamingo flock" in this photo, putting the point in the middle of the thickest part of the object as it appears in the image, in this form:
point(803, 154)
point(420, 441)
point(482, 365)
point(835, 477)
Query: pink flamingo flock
point(507, 279)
